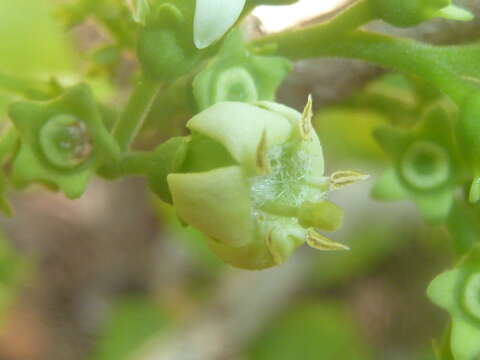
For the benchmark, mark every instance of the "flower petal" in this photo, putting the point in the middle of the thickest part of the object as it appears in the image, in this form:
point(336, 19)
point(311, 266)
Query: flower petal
point(243, 131)
point(441, 290)
point(217, 202)
point(213, 18)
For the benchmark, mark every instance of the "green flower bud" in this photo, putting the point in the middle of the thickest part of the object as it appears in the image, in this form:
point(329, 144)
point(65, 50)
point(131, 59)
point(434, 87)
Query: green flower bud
point(165, 44)
point(427, 167)
point(458, 292)
point(252, 180)
point(62, 141)
point(405, 13)
point(237, 75)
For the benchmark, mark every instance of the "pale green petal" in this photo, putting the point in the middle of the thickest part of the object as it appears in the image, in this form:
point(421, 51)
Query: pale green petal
point(291, 114)
point(441, 290)
point(213, 18)
point(312, 146)
point(216, 202)
point(389, 187)
point(455, 13)
point(465, 339)
point(242, 132)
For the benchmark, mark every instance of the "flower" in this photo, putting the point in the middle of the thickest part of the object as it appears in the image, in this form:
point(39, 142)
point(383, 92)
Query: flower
point(427, 167)
point(62, 141)
point(251, 177)
point(237, 75)
point(458, 292)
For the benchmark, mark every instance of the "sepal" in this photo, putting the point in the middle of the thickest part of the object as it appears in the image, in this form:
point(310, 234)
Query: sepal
point(168, 158)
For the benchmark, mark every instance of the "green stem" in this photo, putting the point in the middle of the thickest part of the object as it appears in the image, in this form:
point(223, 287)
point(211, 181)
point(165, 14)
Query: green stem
point(354, 16)
point(138, 107)
point(134, 163)
point(400, 54)
point(8, 142)
point(26, 88)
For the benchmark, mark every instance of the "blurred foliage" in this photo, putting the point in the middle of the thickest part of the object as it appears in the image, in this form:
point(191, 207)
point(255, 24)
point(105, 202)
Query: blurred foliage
point(312, 331)
point(38, 45)
point(190, 238)
point(14, 270)
point(133, 321)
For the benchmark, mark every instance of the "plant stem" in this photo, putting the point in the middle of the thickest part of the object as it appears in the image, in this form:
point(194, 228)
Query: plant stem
point(24, 87)
point(8, 142)
point(139, 104)
point(354, 16)
point(400, 54)
point(134, 163)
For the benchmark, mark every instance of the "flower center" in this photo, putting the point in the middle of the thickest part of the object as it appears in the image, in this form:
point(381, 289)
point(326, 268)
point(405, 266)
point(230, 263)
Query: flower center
point(425, 165)
point(65, 141)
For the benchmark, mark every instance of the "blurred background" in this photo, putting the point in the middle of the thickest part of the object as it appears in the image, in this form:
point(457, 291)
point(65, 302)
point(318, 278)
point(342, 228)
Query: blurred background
point(115, 276)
